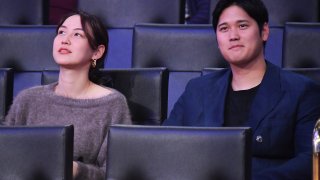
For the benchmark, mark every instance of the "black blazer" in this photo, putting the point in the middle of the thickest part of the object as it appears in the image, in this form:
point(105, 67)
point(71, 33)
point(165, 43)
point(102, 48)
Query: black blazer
point(282, 117)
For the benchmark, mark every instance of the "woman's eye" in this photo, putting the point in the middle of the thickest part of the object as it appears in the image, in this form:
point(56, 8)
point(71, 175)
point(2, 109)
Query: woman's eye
point(61, 32)
point(78, 35)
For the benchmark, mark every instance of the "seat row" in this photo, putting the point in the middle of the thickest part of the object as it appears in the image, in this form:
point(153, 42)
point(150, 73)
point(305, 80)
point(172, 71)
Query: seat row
point(178, 47)
point(134, 152)
point(184, 50)
point(124, 14)
point(150, 92)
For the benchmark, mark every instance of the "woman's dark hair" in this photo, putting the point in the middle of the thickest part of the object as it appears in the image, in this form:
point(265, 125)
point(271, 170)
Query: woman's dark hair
point(254, 8)
point(96, 34)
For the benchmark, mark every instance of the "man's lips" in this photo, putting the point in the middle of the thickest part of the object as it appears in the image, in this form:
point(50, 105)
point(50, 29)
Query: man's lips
point(64, 51)
point(235, 47)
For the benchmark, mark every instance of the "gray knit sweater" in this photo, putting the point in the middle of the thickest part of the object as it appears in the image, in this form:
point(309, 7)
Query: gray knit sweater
point(90, 117)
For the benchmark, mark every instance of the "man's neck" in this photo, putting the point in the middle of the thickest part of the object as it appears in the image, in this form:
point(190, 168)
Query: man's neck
point(249, 76)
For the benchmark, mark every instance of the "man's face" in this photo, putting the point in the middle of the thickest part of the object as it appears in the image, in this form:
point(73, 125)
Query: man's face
point(239, 38)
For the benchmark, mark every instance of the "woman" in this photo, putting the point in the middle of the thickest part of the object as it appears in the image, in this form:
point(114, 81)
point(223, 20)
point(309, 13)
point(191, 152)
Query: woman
point(79, 49)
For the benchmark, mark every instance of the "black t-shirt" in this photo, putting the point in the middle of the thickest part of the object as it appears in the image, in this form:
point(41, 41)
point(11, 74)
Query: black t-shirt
point(238, 105)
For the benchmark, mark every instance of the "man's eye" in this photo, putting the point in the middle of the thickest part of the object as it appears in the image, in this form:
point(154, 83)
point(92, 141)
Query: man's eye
point(223, 29)
point(243, 26)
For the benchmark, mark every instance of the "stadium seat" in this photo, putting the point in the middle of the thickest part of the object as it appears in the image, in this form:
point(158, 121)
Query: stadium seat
point(176, 153)
point(301, 45)
point(22, 12)
point(282, 11)
point(125, 14)
point(36, 152)
point(6, 90)
point(145, 90)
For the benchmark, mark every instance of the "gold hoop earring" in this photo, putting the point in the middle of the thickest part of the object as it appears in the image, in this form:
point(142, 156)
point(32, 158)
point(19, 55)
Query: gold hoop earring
point(94, 63)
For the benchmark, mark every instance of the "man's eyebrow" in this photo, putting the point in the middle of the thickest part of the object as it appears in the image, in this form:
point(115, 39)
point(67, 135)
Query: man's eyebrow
point(241, 21)
point(221, 24)
point(238, 21)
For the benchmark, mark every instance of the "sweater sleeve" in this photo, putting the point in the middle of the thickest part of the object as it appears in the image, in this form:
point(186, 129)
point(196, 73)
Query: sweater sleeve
point(17, 111)
point(120, 115)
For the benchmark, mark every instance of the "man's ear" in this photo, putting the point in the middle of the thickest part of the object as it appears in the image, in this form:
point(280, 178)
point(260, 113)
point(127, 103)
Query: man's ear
point(265, 32)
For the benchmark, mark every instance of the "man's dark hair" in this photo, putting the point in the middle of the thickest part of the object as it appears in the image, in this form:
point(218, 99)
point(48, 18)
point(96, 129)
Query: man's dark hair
point(254, 8)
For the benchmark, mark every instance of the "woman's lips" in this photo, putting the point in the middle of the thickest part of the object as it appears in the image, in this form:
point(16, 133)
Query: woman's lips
point(64, 51)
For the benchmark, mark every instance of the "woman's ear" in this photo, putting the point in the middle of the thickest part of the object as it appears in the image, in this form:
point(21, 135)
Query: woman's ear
point(99, 52)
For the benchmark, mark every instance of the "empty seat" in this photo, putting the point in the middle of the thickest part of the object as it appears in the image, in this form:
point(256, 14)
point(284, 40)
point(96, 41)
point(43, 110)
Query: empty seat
point(177, 47)
point(27, 48)
point(28, 51)
point(124, 13)
point(178, 153)
point(145, 89)
point(6, 91)
point(34, 153)
point(183, 49)
point(282, 11)
point(301, 45)
point(30, 12)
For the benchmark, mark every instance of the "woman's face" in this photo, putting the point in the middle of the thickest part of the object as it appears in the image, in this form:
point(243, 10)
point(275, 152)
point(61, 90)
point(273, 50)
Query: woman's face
point(239, 38)
point(71, 47)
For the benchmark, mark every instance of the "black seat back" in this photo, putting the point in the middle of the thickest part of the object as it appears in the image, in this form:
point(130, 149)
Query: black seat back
point(34, 153)
point(301, 45)
point(6, 91)
point(124, 13)
point(145, 89)
point(188, 153)
point(30, 12)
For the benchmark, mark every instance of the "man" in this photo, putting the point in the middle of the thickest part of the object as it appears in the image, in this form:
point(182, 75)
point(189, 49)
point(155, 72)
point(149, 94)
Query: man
point(279, 106)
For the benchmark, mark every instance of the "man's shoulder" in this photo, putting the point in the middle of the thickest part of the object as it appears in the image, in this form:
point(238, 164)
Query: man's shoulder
point(210, 77)
point(298, 81)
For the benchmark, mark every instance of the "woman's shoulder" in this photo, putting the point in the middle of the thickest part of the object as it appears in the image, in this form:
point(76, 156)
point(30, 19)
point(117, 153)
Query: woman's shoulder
point(32, 94)
point(100, 91)
point(34, 91)
point(108, 94)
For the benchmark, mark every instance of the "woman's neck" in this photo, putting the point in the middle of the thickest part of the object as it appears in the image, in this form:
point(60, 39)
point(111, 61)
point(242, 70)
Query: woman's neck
point(73, 84)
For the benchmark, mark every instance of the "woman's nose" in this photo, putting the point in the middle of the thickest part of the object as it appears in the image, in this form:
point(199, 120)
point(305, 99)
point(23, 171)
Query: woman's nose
point(65, 40)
